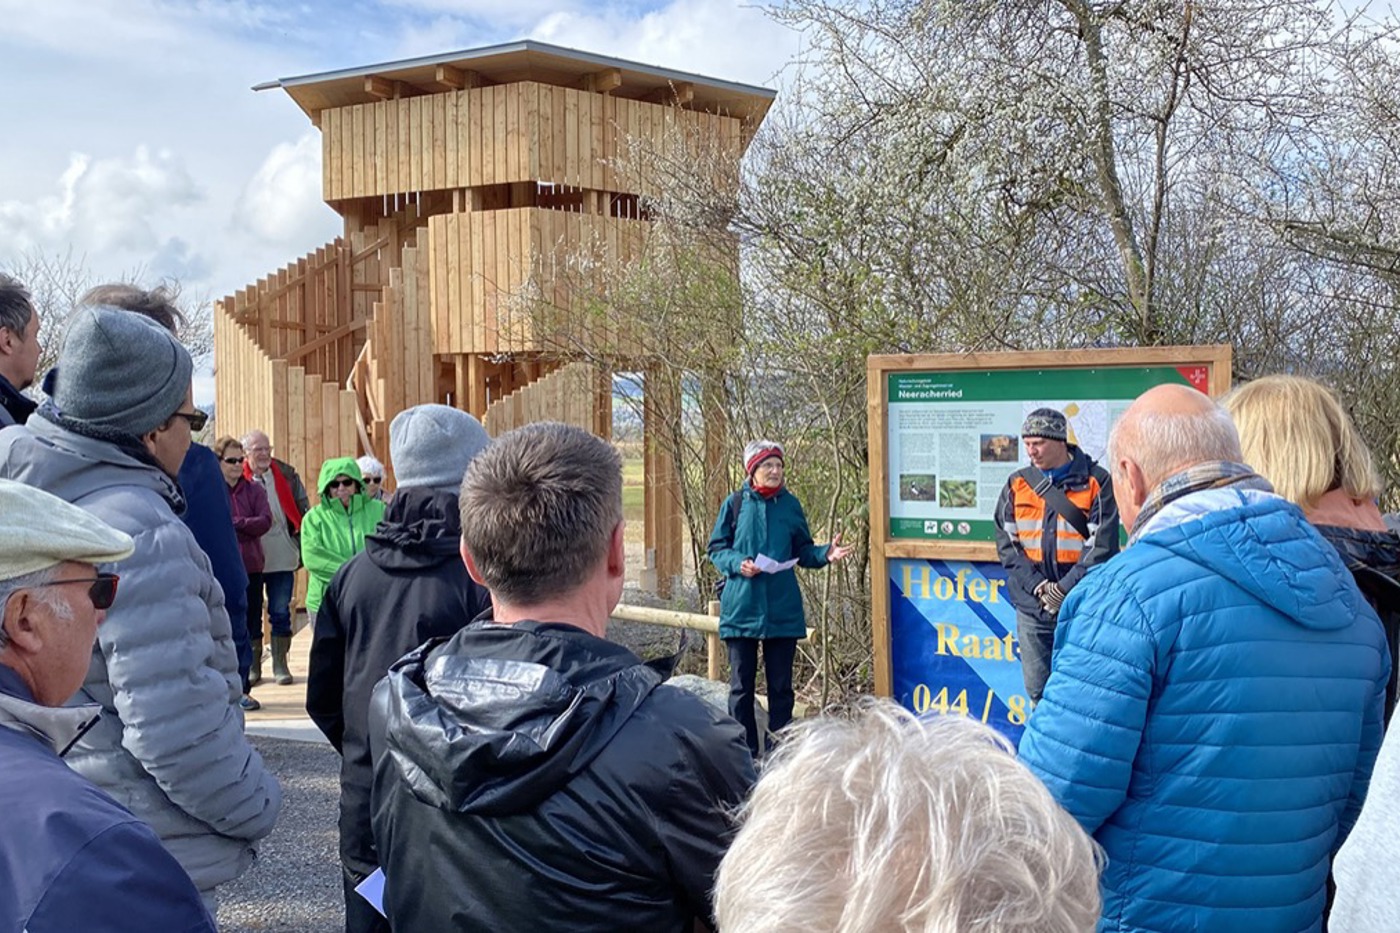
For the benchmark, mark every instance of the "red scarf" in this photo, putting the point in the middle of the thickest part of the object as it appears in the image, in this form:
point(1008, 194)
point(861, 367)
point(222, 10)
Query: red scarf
point(284, 493)
point(768, 492)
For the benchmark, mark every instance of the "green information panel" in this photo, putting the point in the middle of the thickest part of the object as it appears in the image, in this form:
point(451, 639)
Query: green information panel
point(954, 437)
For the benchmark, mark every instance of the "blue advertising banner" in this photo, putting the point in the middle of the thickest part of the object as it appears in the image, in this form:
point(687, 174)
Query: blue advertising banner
point(953, 642)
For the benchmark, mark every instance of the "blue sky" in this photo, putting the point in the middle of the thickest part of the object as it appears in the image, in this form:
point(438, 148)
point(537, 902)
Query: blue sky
point(133, 138)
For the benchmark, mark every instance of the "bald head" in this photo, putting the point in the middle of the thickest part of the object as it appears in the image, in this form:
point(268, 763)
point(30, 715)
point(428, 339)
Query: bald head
point(1168, 429)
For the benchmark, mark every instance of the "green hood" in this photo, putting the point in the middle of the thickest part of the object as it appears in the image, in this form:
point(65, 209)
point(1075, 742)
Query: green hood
point(337, 466)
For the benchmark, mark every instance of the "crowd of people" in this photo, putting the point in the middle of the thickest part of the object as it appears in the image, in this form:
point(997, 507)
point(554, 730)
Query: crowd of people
point(1206, 751)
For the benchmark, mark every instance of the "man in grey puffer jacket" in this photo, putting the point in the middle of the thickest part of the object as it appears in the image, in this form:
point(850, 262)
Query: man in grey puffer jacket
point(170, 743)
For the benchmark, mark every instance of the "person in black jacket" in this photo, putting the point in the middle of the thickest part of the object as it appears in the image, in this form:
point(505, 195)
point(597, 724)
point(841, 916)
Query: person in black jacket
point(529, 774)
point(19, 351)
point(408, 585)
point(1055, 519)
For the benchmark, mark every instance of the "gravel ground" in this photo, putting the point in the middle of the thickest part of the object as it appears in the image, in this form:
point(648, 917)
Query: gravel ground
point(295, 883)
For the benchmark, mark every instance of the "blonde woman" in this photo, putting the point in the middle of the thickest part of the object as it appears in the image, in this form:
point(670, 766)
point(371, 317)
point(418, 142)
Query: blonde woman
point(1296, 433)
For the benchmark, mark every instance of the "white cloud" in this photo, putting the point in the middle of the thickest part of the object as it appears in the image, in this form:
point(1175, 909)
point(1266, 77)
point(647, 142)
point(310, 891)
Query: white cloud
point(101, 205)
point(722, 39)
point(281, 204)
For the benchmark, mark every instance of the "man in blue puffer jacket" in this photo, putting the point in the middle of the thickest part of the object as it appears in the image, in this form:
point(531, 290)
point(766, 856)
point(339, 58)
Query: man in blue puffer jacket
point(1215, 704)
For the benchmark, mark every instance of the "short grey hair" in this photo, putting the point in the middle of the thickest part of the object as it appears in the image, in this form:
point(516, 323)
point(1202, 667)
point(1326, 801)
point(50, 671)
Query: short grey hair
point(46, 595)
point(885, 822)
point(1161, 443)
point(16, 305)
point(539, 506)
point(247, 439)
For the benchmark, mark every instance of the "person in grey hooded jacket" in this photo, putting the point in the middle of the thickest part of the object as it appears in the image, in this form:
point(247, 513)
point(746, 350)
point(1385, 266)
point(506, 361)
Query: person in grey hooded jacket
point(169, 745)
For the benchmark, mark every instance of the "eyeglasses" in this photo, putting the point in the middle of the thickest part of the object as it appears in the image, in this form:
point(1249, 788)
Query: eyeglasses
point(374, 479)
point(337, 483)
point(102, 592)
point(233, 459)
point(196, 418)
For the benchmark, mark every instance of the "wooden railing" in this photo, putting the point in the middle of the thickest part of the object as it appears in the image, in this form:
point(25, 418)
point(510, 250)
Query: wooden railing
point(696, 622)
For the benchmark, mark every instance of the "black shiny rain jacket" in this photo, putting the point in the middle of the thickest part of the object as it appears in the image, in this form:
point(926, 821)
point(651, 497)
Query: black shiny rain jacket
point(534, 777)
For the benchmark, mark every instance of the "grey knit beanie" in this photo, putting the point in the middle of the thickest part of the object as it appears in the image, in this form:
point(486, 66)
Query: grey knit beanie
point(431, 445)
point(1047, 423)
point(121, 370)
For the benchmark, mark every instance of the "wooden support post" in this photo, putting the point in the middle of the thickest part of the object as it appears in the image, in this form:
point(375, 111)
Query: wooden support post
point(665, 522)
point(476, 386)
point(459, 394)
point(712, 644)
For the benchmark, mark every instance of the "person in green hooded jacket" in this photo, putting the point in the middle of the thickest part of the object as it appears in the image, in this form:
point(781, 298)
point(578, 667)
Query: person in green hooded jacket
point(334, 531)
point(757, 606)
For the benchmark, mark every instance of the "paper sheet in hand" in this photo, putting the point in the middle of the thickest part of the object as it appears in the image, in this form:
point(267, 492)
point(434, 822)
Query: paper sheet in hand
point(767, 564)
point(372, 890)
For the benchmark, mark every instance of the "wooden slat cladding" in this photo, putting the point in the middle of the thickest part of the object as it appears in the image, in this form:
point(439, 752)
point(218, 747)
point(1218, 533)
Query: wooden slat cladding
point(514, 280)
point(506, 134)
point(568, 394)
point(286, 347)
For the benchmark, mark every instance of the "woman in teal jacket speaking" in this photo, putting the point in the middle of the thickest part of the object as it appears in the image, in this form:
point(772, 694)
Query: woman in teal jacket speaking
point(761, 603)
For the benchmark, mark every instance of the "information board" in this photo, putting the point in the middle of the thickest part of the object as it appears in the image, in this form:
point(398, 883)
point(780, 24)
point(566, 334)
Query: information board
point(954, 437)
point(944, 438)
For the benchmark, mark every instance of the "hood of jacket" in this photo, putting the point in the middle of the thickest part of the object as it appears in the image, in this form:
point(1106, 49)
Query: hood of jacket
point(499, 717)
point(337, 466)
point(73, 466)
point(1261, 543)
point(421, 529)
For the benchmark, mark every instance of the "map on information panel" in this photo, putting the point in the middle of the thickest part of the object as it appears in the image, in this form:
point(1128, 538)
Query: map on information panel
point(955, 437)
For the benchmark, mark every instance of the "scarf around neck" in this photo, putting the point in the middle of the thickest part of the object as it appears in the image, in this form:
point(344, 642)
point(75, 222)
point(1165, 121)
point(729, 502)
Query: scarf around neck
point(285, 497)
point(1209, 474)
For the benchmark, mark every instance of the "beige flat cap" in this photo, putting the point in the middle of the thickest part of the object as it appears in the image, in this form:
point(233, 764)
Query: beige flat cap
point(39, 530)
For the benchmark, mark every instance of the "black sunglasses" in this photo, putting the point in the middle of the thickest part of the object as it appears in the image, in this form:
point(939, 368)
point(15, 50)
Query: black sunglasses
point(232, 459)
point(196, 418)
point(102, 592)
point(374, 479)
point(337, 483)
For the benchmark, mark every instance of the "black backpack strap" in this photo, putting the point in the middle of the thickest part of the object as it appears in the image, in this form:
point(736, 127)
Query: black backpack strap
point(1056, 499)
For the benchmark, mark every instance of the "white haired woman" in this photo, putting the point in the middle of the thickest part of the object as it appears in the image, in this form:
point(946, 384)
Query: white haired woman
point(883, 823)
point(757, 606)
point(372, 471)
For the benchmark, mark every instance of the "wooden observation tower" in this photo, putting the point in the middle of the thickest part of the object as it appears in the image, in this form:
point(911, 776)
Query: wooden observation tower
point(465, 180)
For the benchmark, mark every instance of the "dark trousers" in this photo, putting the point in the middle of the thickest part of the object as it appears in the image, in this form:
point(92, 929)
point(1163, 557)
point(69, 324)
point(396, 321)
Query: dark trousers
point(360, 915)
point(778, 655)
point(279, 587)
point(1037, 640)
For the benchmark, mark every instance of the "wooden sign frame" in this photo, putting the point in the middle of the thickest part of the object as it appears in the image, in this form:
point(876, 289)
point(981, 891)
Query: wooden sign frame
point(883, 547)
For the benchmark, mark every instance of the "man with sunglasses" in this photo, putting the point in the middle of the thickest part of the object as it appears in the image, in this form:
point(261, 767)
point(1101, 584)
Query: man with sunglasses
point(69, 852)
point(170, 743)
